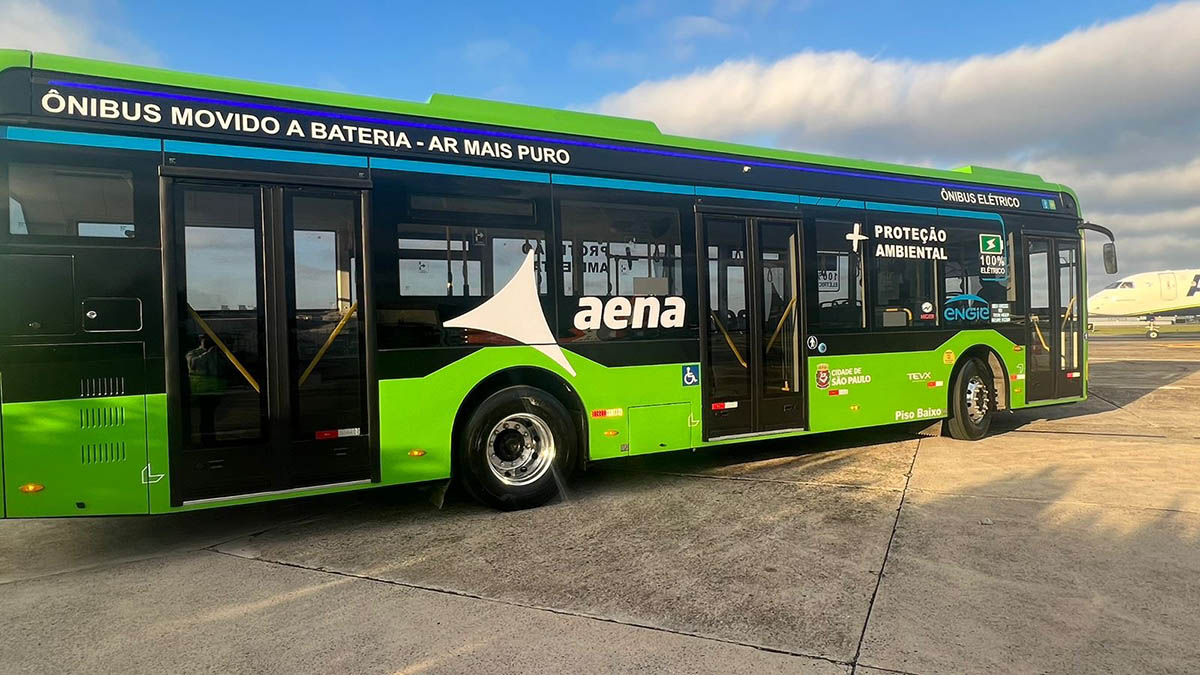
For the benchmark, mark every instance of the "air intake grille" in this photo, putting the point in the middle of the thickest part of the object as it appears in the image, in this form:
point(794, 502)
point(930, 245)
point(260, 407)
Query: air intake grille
point(92, 387)
point(101, 418)
point(102, 453)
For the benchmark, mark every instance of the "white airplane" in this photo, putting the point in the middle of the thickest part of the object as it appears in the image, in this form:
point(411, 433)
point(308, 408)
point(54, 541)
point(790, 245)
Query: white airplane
point(1149, 295)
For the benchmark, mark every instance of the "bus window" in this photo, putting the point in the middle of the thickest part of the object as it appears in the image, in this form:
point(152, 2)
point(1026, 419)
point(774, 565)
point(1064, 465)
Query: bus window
point(839, 280)
point(448, 260)
point(903, 293)
point(614, 249)
point(53, 200)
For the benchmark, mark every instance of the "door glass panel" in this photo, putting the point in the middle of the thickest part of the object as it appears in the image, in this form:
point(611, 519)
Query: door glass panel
point(222, 339)
point(729, 316)
point(1068, 314)
point(1041, 321)
point(780, 341)
point(327, 368)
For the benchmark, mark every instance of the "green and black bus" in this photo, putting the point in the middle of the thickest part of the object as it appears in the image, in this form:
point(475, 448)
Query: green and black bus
point(217, 292)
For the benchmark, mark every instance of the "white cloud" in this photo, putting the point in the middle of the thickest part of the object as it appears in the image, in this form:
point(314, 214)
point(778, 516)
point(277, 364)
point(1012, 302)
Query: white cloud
point(1112, 110)
point(37, 26)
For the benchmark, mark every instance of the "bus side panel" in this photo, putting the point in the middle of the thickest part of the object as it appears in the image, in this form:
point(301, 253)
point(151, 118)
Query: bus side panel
point(419, 413)
point(157, 477)
point(87, 454)
point(863, 390)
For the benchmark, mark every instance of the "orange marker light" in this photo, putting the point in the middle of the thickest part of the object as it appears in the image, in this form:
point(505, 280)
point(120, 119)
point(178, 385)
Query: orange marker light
point(1017, 348)
point(416, 452)
point(611, 432)
point(30, 488)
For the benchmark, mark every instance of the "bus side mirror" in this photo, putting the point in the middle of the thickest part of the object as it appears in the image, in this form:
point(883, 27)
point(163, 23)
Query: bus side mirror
point(1110, 257)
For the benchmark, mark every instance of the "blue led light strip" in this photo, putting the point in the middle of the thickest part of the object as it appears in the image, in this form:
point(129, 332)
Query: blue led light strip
point(539, 139)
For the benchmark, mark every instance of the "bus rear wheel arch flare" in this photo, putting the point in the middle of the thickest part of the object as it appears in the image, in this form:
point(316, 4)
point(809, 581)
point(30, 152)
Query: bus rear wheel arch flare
point(972, 401)
point(517, 448)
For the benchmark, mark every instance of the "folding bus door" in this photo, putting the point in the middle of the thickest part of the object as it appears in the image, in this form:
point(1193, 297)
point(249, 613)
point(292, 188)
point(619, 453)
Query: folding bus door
point(1054, 339)
point(753, 356)
point(271, 355)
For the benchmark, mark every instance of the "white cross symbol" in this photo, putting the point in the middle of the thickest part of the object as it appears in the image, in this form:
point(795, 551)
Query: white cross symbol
point(856, 236)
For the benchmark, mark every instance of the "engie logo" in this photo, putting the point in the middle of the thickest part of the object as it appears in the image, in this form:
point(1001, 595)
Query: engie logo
point(960, 308)
point(647, 311)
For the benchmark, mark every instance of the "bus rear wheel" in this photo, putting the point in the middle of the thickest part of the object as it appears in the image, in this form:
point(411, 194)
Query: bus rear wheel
point(972, 402)
point(516, 449)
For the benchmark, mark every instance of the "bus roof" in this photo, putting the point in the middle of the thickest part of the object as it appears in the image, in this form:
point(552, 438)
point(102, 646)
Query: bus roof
point(479, 111)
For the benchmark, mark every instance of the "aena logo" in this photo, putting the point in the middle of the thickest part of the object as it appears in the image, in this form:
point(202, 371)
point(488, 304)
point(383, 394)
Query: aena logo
point(960, 308)
point(1195, 289)
point(647, 311)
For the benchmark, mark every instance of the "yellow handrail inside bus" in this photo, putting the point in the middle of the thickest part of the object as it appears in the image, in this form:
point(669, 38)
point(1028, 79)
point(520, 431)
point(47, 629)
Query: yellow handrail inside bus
point(224, 349)
point(779, 326)
point(329, 341)
point(729, 340)
point(1037, 329)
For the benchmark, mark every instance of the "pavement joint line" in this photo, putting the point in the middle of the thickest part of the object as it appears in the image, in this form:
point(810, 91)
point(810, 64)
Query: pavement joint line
point(1106, 434)
point(1140, 387)
point(1068, 502)
point(883, 565)
point(889, 670)
point(751, 479)
point(1091, 360)
point(511, 603)
point(166, 553)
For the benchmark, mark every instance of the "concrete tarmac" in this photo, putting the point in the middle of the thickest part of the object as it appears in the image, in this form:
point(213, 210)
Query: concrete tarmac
point(1067, 541)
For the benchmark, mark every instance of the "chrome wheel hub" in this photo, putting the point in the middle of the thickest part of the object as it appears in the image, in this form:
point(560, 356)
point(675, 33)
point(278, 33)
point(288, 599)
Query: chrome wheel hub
point(979, 401)
point(520, 449)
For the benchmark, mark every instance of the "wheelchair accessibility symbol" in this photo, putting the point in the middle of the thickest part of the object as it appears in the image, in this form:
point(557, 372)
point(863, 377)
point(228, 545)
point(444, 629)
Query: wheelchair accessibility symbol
point(691, 375)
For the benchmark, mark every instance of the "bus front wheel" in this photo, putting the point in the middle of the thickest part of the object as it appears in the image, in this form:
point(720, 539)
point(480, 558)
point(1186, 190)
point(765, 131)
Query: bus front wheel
point(517, 449)
point(972, 402)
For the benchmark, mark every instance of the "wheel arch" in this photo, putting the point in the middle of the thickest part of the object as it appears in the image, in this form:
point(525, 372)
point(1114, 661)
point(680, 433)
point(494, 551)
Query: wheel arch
point(530, 376)
point(1000, 380)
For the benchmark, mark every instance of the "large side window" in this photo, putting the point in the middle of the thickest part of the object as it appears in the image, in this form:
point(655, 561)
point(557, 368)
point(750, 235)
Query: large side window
point(905, 257)
point(839, 279)
point(615, 249)
point(623, 267)
point(70, 201)
point(975, 274)
point(465, 261)
point(457, 242)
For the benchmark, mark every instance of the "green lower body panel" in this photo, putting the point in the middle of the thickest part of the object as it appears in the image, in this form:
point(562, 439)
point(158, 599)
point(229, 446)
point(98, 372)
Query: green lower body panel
point(111, 455)
point(75, 457)
point(416, 416)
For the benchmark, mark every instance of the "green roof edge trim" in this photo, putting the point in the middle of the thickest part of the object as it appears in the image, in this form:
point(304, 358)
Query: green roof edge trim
point(15, 58)
point(464, 109)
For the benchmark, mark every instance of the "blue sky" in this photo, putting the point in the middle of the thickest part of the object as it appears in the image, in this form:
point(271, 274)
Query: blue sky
point(563, 54)
point(1101, 96)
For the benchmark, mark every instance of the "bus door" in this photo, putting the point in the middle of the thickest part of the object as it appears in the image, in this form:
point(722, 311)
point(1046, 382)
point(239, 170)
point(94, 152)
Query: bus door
point(269, 372)
point(1054, 334)
point(752, 343)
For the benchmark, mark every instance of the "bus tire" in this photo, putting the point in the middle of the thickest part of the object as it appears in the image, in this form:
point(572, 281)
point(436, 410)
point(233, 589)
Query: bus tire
point(517, 449)
point(972, 402)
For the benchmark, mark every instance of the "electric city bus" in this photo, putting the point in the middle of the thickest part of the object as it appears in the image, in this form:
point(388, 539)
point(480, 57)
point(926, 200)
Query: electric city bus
point(216, 292)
